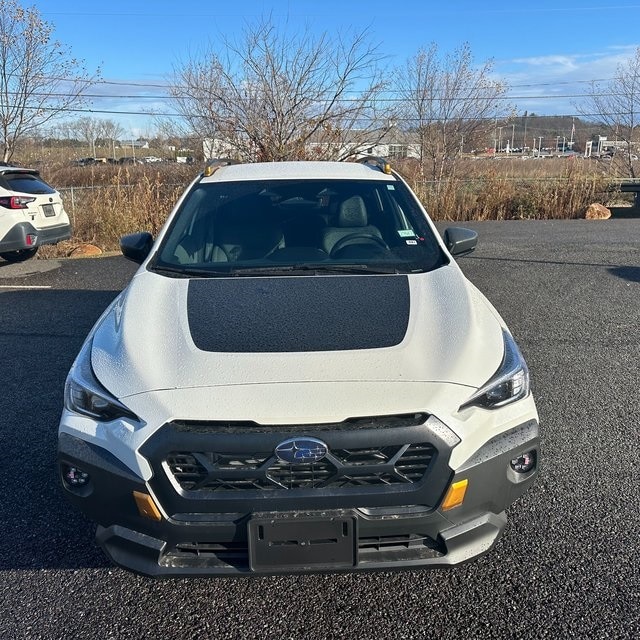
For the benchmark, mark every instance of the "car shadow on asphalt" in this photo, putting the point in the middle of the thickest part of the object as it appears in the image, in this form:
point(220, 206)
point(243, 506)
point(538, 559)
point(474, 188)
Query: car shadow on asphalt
point(626, 273)
point(621, 271)
point(41, 332)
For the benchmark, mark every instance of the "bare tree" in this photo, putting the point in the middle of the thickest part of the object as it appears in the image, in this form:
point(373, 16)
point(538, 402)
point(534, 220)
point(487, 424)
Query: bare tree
point(273, 95)
point(39, 79)
point(88, 130)
point(616, 105)
point(95, 131)
point(447, 103)
point(111, 132)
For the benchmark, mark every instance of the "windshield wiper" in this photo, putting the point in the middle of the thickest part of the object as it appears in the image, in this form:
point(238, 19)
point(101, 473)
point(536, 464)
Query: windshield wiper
point(312, 269)
point(189, 272)
point(276, 269)
point(357, 268)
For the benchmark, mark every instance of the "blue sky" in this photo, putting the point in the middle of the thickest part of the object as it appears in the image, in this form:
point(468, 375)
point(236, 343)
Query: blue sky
point(543, 48)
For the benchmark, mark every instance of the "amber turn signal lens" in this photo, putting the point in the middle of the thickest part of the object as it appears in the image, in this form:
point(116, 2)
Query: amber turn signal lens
point(455, 495)
point(146, 506)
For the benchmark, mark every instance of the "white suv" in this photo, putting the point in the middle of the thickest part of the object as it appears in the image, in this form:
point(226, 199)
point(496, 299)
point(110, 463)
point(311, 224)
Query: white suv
point(31, 214)
point(298, 378)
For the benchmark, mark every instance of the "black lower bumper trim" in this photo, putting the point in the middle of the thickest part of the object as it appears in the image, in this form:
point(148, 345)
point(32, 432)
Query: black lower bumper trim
point(153, 557)
point(16, 238)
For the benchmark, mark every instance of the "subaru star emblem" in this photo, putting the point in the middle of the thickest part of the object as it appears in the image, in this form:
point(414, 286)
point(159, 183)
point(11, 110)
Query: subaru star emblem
point(301, 450)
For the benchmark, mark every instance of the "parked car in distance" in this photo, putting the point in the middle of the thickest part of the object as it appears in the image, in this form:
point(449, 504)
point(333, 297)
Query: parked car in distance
point(31, 214)
point(83, 162)
point(320, 387)
point(129, 160)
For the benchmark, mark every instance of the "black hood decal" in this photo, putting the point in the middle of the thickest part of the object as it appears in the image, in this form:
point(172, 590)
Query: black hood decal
point(296, 314)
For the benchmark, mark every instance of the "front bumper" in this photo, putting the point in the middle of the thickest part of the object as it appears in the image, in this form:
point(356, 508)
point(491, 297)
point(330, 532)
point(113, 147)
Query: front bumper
point(16, 238)
point(386, 527)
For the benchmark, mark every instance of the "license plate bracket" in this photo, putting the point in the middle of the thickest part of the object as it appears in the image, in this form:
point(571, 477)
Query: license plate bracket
point(281, 542)
point(48, 210)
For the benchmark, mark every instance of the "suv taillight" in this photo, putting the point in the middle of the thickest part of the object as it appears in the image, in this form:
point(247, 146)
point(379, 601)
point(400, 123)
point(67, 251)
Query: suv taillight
point(15, 202)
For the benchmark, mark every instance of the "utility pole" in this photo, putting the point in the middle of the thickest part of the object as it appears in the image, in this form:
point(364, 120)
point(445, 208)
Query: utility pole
point(500, 138)
point(513, 133)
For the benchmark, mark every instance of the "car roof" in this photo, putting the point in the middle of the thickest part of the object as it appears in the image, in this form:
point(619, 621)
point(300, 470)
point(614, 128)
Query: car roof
point(9, 169)
point(298, 170)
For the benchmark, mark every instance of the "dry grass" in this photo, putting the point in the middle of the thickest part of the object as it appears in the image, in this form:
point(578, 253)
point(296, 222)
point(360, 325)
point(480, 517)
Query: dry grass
point(515, 189)
point(106, 202)
point(111, 202)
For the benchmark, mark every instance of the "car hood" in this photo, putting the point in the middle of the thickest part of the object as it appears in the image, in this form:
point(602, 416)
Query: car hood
point(166, 333)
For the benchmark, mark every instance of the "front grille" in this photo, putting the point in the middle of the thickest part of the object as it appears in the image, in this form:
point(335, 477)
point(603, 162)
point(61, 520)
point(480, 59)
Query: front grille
point(341, 469)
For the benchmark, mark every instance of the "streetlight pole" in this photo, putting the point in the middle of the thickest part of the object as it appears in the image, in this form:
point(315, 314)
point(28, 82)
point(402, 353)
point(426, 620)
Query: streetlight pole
point(573, 130)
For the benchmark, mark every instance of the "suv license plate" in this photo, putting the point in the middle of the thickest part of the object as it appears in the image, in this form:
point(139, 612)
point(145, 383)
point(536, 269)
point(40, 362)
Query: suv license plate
point(48, 210)
point(302, 542)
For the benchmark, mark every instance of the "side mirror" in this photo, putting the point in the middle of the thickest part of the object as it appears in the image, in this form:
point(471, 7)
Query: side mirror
point(459, 241)
point(136, 246)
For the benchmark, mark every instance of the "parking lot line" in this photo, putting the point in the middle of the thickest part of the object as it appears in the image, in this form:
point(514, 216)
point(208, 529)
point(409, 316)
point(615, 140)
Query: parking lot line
point(17, 286)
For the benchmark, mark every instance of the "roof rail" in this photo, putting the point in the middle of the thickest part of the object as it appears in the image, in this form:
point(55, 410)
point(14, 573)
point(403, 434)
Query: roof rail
point(376, 161)
point(216, 163)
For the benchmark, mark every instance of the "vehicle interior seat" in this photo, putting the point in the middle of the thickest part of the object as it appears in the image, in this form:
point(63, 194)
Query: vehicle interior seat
point(352, 221)
point(246, 240)
point(194, 245)
point(229, 238)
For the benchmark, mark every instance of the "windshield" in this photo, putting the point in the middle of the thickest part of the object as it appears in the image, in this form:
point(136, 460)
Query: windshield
point(295, 226)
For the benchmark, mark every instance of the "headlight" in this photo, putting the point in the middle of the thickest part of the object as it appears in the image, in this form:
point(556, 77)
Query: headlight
point(84, 394)
point(509, 383)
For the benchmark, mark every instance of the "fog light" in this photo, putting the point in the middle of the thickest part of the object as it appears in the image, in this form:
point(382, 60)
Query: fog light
point(75, 477)
point(524, 462)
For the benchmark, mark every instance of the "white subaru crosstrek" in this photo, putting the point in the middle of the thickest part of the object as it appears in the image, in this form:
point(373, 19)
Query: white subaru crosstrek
point(298, 378)
point(31, 214)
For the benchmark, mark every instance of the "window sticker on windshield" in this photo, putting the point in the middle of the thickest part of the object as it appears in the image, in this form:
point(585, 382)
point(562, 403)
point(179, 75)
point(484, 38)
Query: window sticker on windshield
point(406, 233)
point(391, 187)
point(411, 241)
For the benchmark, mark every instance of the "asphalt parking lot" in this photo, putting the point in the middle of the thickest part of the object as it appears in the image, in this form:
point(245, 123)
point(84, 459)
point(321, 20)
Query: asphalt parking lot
point(567, 567)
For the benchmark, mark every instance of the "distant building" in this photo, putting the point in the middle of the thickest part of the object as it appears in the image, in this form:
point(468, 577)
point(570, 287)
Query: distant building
point(602, 146)
point(136, 144)
point(393, 144)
